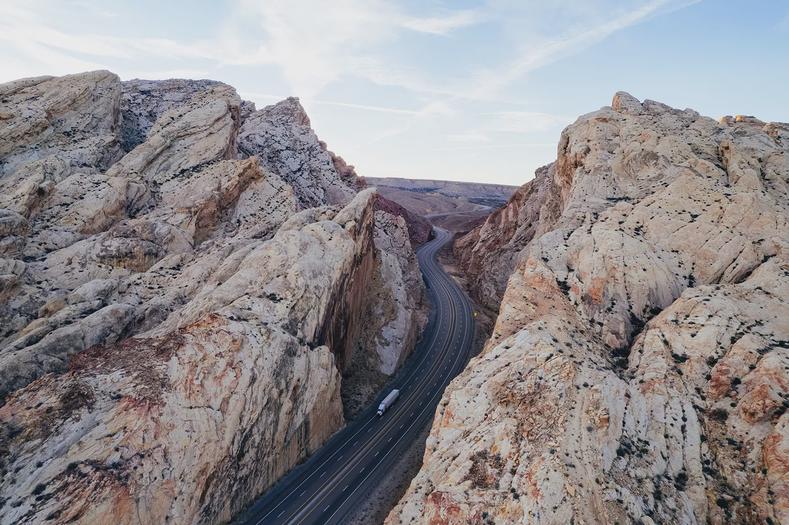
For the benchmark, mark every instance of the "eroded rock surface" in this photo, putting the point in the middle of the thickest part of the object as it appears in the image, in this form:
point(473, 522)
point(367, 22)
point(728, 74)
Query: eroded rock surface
point(175, 316)
point(638, 367)
point(190, 421)
point(281, 137)
point(144, 101)
point(489, 252)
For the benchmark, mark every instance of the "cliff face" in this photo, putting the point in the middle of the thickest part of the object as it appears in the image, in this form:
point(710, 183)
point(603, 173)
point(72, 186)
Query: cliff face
point(419, 229)
point(488, 253)
point(394, 316)
point(638, 366)
point(175, 314)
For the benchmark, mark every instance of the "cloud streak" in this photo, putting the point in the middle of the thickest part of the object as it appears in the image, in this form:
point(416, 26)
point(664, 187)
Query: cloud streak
point(419, 77)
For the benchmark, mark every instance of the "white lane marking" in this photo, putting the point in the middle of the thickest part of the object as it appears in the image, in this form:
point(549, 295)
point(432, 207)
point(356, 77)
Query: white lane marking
point(322, 474)
point(281, 513)
point(376, 453)
point(303, 492)
point(345, 488)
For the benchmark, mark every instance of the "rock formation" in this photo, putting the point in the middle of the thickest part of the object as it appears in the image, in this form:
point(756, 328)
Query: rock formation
point(182, 281)
point(144, 101)
point(281, 137)
point(419, 229)
point(398, 309)
point(394, 316)
point(637, 372)
point(489, 252)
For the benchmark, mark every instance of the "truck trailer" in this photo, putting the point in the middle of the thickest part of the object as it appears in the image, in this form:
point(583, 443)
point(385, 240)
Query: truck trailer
point(388, 401)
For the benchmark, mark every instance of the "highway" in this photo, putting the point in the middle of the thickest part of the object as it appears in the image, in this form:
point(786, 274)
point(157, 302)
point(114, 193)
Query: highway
point(338, 477)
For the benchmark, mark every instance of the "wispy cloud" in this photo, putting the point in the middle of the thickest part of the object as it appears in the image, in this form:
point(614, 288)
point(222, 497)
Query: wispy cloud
point(315, 43)
point(535, 55)
point(473, 137)
point(444, 24)
point(428, 76)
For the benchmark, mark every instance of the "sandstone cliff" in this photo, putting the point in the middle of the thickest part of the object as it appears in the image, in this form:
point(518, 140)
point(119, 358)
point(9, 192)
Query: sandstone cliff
point(638, 367)
point(419, 229)
point(183, 280)
point(489, 252)
point(395, 313)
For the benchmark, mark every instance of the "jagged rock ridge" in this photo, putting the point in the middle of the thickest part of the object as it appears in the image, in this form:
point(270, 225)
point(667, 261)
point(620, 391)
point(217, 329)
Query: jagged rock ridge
point(175, 313)
point(637, 371)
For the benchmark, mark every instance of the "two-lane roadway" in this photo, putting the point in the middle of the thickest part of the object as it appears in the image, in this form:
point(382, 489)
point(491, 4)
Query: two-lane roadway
point(338, 477)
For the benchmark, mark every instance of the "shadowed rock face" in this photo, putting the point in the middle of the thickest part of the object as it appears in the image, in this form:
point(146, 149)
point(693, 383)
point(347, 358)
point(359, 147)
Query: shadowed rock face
point(419, 229)
point(489, 252)
point(638, 367)
point(173, 318)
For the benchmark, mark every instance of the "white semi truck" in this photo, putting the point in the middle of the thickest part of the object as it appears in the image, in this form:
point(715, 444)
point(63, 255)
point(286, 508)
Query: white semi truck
point(388, 401)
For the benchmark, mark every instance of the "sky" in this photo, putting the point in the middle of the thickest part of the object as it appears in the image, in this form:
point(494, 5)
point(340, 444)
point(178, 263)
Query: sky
point(431, 89)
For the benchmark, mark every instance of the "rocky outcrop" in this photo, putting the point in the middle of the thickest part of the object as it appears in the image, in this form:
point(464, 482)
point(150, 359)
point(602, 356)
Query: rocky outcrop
point(191, 420)
point(637, 371)
point(100, 246)
point(400, 308)
point(394, 315)
point(419, 230)
point(174, 319)
point(281, 137)
point(488, 253)
point(144, 101)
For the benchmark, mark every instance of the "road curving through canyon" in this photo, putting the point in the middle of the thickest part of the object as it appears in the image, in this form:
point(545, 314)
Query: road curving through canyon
point(338, 477)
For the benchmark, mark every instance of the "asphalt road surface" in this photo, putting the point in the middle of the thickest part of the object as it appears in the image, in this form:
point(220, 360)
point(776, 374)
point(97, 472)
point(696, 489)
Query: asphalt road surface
point(338, 477)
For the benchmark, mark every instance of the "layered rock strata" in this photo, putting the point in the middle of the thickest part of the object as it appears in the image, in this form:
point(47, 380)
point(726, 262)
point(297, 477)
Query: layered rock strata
point(638, 367)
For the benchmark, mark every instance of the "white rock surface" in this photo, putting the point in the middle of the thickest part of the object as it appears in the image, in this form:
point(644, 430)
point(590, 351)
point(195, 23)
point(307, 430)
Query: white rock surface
point(191, 421)
point(281, 137)
point(173, 321)
point(637, 371)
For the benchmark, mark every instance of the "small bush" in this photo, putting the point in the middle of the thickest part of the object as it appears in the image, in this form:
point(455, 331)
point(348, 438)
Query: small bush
point(719, 414)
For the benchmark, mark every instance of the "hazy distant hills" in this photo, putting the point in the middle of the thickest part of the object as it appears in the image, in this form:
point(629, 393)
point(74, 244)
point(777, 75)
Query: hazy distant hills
point(456, 206)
